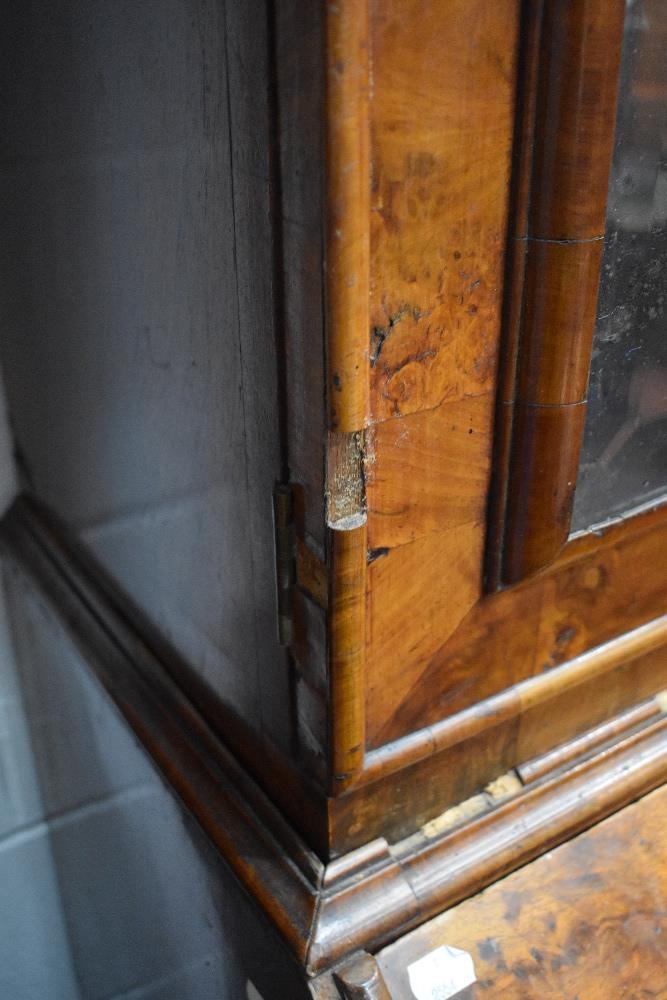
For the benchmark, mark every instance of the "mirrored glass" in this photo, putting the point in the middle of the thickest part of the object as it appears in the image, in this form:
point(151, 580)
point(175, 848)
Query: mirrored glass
point(624, 454)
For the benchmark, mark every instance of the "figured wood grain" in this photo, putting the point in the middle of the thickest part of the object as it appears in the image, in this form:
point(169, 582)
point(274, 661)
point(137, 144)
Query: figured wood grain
point(441, 133)
point(367, 899)
point(425, 773)
point(413, 643)
point(426, 873)
point(521, 696)
point(600, 586)
point(588, 920)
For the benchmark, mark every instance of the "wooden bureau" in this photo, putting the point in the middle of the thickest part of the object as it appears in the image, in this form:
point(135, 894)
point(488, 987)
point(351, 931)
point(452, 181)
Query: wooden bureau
point(357, 506)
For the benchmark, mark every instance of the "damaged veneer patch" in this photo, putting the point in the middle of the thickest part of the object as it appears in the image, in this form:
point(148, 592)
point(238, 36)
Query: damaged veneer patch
point(346, 481)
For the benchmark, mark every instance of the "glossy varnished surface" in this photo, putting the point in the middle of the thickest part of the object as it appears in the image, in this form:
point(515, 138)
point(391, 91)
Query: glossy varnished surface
point(440, 157)
point(588, 920)
point(600, 587)
point(573, 133)
point(427, 466)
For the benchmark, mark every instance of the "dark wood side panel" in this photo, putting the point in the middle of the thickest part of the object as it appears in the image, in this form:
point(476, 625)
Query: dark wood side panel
point(300, 54)
point(142, 384)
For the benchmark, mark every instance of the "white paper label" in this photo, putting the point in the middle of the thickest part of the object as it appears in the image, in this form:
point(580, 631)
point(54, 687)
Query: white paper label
point(441, 974)
point(251, 992)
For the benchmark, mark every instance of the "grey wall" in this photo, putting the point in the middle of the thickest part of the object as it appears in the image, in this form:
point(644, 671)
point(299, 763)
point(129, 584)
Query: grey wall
point(108, 888)
point(35, 958)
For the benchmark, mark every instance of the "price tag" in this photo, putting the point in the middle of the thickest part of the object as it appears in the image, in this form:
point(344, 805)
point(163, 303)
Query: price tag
point(441, 974)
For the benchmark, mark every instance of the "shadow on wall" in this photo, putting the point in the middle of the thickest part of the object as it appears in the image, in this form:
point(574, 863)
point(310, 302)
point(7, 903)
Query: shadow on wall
point(8, 477)
point(134, 900)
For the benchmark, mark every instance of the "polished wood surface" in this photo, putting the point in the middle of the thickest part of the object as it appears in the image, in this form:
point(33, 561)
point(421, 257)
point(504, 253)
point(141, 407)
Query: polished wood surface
point(557, 282)
point(590, 742)
point(440, 154)
point(528, 69)
point(411, 685)
point(523, 696)
point(545, 448)
point(427, 466)
point(361, 979)
point(462, 690)
point(576, 112)
point(560, 300)
point(348, 203)
point(408, 685)
point(347, 714)
point(588, 920)
point(600, 587)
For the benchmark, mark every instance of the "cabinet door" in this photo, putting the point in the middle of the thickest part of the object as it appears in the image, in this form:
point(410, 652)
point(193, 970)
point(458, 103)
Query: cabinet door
point(493, 618)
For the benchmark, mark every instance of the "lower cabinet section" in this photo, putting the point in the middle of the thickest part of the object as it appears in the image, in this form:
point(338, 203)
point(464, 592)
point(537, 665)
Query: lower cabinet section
point(173, 875)
point(586, 920)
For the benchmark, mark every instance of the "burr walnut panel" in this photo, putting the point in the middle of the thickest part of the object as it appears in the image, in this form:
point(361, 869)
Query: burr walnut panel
point(441, 120)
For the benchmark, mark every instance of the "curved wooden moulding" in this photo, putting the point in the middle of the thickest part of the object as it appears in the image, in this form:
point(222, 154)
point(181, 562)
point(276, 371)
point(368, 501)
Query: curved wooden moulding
point(348, 206)
point(347, 322)
point(347, 716)
point(359, 978)
point(570, 80)
point(508, 704)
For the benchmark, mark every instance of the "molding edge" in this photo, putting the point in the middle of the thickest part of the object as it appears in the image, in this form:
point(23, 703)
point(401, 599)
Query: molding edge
point(373, 894)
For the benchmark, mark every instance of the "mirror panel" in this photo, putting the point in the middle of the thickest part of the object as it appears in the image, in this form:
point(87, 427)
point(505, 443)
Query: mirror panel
point(624, 455)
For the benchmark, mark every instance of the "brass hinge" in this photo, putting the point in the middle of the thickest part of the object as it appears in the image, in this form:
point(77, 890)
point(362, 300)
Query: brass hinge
point(283, 511)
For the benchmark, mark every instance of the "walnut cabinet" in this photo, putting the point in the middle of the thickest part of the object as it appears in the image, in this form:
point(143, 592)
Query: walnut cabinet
point(334, 358)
